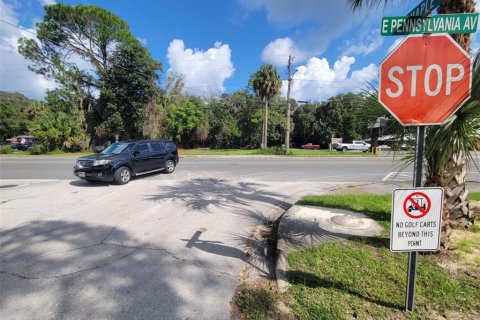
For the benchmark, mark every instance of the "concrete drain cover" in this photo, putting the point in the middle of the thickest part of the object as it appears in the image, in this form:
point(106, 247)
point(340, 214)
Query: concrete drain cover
point(350, 222)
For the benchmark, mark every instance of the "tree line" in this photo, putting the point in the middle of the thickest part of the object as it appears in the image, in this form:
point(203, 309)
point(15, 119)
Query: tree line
point(233, 120)
point(116, 95)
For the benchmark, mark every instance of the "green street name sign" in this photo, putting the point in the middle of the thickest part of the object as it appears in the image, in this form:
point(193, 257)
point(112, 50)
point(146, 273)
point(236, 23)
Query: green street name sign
point(424, 8)
point(443, 23)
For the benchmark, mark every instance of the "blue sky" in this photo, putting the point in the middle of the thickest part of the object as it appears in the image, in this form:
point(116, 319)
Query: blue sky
point(218, 44)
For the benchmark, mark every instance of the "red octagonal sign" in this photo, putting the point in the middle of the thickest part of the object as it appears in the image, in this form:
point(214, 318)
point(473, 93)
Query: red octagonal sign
point(425, 79)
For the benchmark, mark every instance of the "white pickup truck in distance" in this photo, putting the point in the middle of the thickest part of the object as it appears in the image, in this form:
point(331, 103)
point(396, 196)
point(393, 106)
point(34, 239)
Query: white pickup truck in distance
point(355, 145)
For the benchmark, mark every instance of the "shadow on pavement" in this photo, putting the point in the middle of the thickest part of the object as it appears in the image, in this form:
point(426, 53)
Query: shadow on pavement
point(71, 270)
point(87, 184)
point(200, 194)
point(219, 248)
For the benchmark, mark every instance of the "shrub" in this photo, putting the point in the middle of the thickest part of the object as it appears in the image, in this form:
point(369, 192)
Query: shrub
point(38, 148)
point(280, 151)
point(6, 150)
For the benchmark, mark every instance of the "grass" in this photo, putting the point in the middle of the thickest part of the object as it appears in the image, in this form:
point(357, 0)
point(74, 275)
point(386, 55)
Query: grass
point(474, 196)
point(54, 153)
point(257, 302)
point(246, 152)
point(218, 152)
point(352, 279)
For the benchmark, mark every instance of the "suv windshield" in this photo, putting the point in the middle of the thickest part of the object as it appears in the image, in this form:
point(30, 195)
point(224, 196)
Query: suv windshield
point(119, 147)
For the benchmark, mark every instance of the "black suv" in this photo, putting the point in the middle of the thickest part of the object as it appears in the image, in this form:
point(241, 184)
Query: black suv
point(123, 160)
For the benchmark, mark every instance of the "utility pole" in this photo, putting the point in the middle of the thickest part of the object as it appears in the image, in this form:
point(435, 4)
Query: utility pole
point(287, 135)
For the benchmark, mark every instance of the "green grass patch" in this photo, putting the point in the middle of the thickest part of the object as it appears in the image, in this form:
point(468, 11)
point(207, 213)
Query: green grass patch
point(351, 279)
point(474, 196)
point(475, 228)
point(328, 153)
point(378, 207)
point(277, 151)
point(465, 246)
point(55, 153)
point(256, 303)
point(215, 152)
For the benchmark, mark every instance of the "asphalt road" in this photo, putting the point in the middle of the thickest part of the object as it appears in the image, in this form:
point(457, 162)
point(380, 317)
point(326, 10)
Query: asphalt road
point(162, 246)
point(264, 168)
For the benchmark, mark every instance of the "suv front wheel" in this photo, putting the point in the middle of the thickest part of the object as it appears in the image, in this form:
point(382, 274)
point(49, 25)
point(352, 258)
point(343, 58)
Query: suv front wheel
point(122, 175)
point(169, 166)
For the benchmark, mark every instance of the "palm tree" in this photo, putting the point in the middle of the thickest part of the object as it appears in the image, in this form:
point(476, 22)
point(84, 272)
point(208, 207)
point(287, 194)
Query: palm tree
point(266, 84)
point(448, 146)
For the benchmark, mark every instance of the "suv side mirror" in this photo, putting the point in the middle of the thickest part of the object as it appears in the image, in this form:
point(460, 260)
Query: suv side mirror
point(136, 153)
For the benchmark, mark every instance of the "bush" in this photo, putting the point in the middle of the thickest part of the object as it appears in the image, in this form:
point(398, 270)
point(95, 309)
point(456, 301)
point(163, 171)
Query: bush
point(6, 150)
point(38, 148)
point(280, 151)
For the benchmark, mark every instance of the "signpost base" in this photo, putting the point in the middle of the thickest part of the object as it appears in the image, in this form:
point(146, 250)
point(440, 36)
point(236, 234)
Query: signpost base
point(412, 269)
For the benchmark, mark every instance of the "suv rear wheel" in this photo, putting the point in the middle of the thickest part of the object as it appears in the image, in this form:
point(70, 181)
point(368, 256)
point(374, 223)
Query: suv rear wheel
point(169, 166)
point(122, 175)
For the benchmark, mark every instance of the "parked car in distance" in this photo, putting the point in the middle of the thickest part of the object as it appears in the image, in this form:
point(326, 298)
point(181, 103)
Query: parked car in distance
point(311, 146)
point(20, 146)
point(355, 145)
point(123, 160)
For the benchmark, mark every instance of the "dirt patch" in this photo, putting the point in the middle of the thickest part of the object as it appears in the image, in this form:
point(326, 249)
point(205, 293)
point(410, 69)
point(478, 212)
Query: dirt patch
point(464, 255)
point(475, 209)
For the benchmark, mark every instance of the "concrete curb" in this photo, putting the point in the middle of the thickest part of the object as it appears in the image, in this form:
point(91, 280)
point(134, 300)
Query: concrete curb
point(281, 263)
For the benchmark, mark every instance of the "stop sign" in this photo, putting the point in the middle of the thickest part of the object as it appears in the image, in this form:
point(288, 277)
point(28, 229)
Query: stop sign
point(425, 79)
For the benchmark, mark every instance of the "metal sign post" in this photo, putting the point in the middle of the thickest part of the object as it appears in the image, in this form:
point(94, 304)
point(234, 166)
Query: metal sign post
point(417, 182)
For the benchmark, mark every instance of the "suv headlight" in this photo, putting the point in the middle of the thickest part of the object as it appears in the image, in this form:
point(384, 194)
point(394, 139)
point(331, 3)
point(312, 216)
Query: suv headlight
point(101, 162)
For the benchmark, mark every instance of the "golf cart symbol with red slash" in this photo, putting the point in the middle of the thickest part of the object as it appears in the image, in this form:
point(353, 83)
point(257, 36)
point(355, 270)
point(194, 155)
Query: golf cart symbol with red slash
point(417, 205)
point(421, 203)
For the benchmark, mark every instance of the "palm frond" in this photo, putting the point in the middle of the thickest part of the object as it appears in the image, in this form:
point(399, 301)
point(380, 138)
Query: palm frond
point(357, 4)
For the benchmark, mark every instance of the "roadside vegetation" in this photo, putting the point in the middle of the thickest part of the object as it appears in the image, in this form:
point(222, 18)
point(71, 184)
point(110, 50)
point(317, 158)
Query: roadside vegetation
point(270, 151)
point(361, 278)
point(474, 196)
point(278, 151)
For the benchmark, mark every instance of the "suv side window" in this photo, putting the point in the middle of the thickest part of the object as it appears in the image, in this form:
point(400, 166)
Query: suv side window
point(142, 148)
point(156, 146)
point(170, 145)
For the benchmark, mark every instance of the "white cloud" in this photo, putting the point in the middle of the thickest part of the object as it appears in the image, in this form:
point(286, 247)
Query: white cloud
point(475, 43)
point(14, 73)
point(317, 81)
point(316, 23)
point(47, 2)
point(395, 44)
point(287, 13)
point(277, 52)
point(143, 41)
point(367, 43)
point(204, 71)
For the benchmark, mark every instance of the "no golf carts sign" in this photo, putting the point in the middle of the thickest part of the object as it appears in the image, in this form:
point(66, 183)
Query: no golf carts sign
point(416, 219)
